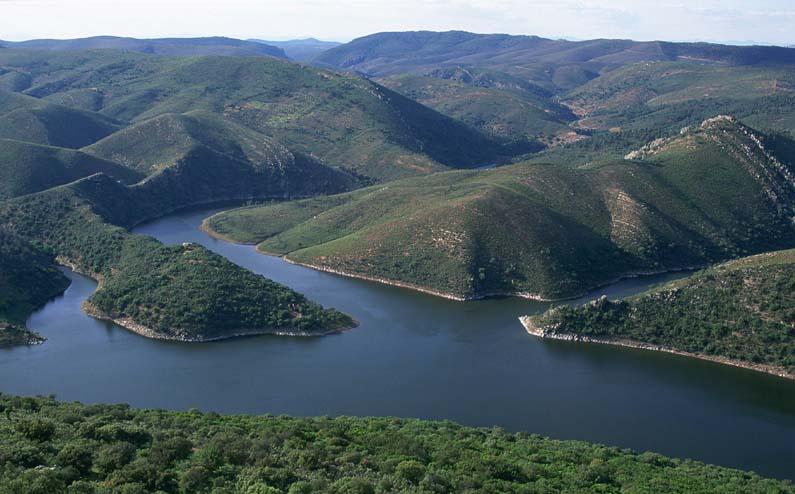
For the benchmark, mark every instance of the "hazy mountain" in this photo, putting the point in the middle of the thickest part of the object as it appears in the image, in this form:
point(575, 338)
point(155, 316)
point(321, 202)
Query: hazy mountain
point(301, 49)
point(158, 46)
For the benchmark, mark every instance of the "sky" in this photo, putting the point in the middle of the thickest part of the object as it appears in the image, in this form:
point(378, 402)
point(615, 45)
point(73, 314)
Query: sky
point(734, 21)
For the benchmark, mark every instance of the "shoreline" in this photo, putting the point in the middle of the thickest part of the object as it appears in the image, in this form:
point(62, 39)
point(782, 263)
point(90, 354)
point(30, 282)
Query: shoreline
point(534, 330)
point(139, 329)
point(205, 227)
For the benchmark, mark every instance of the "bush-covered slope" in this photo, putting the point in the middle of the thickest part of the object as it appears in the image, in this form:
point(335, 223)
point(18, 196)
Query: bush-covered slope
point(177, 292)
point(28, 279)
point(558, 62)
point(56, 125)
point(344, 121)
point(496, 103)
point(743, 311)
point(713, 193)
point(53, 447)
point(203, 157)
point(26, 168)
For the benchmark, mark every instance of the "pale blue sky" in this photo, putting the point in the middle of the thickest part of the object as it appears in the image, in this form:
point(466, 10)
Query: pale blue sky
point(762, 21)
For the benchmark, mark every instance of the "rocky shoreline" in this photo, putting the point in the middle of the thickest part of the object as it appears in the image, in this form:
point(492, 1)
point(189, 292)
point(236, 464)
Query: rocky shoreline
point(532, 328)
point(140, 329)
point(130, 325)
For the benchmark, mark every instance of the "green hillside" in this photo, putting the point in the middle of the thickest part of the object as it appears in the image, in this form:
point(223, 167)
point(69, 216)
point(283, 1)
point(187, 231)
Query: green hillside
point(559, 63)
point(56, 125)
point(53, 447)
point(177, 292)
point(713, 193)
point(344, 121)
point(26, 168)
point(27, 280)
point(496, 103)
point(40, 121)
point(743, 311)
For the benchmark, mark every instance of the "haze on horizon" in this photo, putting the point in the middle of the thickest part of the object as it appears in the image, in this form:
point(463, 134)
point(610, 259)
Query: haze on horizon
point(727, 21)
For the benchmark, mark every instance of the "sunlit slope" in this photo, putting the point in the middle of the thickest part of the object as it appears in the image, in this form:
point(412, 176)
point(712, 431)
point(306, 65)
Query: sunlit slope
point(201, 157)
point(182, 292)
point(712, 193)
point(742, 310)
point(342, 120)
point(26, 168)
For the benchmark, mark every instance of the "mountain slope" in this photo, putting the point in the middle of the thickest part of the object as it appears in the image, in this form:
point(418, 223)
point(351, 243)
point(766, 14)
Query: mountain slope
point(301, 49)
point(200, 157)
point(741, 312)
point(495, 103)
point(344, 121)
point(548, 231)
point(96, 446)
point(26, 168)
point(555, 62)
point(157, 46)
point(184, 293)
point(56, 125)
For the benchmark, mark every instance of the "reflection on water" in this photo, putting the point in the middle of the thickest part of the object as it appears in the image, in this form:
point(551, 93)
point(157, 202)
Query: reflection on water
point(416, 356)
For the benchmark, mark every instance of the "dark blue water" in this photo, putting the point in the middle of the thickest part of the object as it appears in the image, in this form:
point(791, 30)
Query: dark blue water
point(416, 355)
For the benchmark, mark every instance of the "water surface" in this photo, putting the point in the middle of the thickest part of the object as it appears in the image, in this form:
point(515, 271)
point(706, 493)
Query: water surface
point(415, 355)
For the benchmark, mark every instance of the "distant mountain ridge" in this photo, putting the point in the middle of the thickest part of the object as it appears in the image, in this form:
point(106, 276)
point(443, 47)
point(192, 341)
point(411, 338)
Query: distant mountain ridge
point(215, 45)
point(390, 53)
point(301, 49)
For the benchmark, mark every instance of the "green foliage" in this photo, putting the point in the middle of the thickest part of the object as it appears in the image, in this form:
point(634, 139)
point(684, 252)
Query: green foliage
point(26, 168)
point(743, 310)
point(348, 121)
point(209, 453)
point(539, 229)
point(184, 292)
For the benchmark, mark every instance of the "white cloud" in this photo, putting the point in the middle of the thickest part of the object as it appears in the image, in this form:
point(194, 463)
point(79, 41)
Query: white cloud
point(765, 21)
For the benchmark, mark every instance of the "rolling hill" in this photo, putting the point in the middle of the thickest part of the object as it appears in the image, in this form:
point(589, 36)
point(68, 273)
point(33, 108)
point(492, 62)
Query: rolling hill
point(344, 121)
point(740, 313)
point(184, 293)
point(26, 168)
point(712, 193)
point(201, 158)
point(28, 279)
point(495, 103)
point(158, 46)
point(555, 63)
point(56, 125)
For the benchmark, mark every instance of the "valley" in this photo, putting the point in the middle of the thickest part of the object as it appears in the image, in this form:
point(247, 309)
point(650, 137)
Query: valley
point(176, 212)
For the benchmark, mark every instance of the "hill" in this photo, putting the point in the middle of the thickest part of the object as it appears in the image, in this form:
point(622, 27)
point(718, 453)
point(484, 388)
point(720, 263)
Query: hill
point(740, 313)
point(26, 168)
point(30, 119)
point(302, 50)
point(183, 293)
point(712, 193)
point(158, 46)
point(504, 106)
point(27, 280)
point(559, 63)
point(344, 121)
point(200, 157)
point(83, 448)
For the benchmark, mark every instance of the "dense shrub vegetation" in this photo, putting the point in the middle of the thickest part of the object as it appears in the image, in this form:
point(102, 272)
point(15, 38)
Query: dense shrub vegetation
point(743, 310)
point(48, 447)
point(548, 230)
point(184, 291)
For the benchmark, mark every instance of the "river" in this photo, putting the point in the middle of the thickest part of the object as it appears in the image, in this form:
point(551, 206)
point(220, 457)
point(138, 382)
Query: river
point(416, 355)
